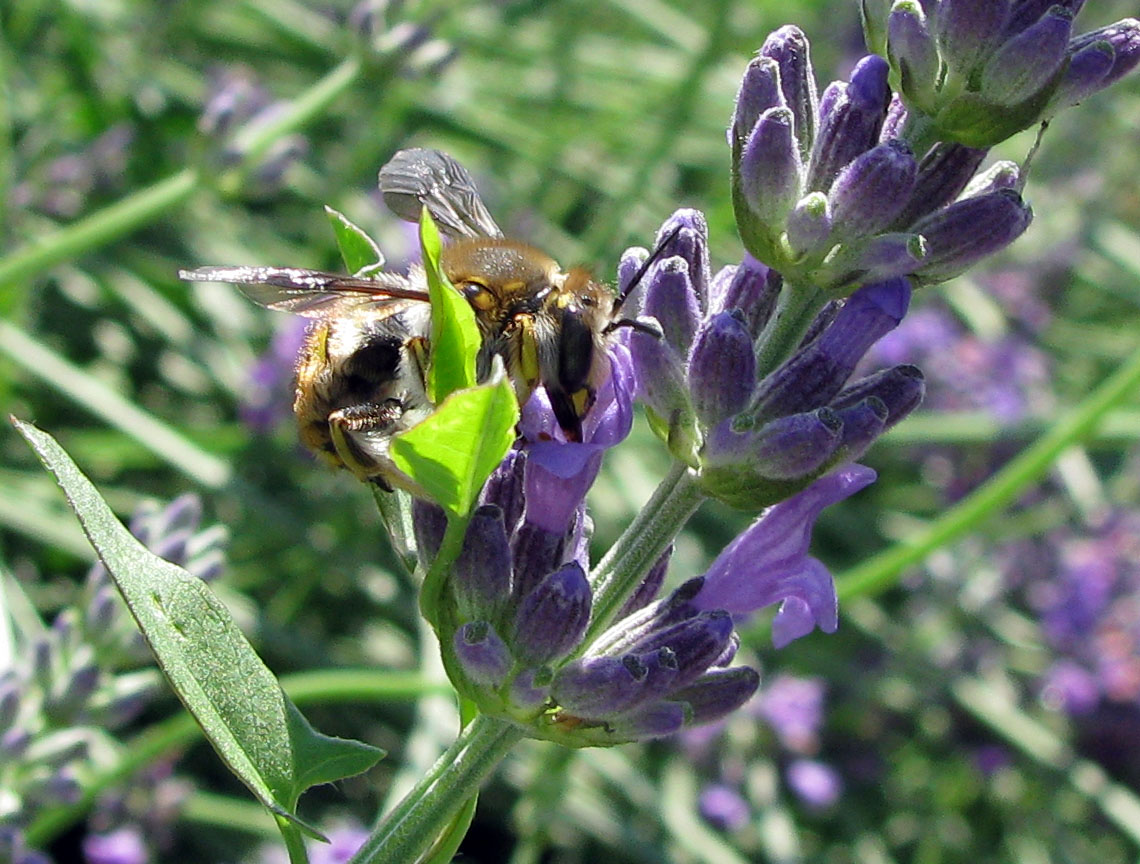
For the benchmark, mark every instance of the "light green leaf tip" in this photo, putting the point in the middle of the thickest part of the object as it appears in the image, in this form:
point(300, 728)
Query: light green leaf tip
point(360, 253)
point(453, 451)
point(455, 336)
point(259, 733)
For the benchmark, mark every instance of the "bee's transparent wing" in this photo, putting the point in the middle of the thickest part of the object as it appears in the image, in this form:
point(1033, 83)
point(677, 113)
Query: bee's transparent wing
point(419, 178)
point(311, 293)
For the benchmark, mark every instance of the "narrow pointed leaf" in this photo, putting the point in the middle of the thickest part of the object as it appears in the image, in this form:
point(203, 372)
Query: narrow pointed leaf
point(255, 728)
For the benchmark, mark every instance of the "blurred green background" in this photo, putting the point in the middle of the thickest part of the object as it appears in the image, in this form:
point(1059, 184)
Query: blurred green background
point(586, 123)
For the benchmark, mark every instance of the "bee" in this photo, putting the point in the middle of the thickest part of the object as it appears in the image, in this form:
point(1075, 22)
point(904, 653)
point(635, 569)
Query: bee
point(361, 372)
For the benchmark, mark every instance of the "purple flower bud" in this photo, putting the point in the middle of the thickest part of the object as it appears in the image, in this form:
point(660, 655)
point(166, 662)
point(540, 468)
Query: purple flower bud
point(552, 619)
point(962, 234)
point(862, 424)
point(1124, 37)
point(672, 300)
point(729, 653)
point(872, 190)
point(647, 591)
point(485, 659)
point(1088, 67)
point(482, 570)
point(768, 562)
point(832, 93)
point(535, 552)
point(789, 47)
point(912, 52)
point(967, 30)
point(943, 173)
point(694, 643)
point(430, 523)
point(759, 91)
point(505, 489)
point(595, 687)
point(895, 119)
point(752, 289)
point(771, 172)
point(632, 260)
point(690, 243)
point(816, 784)
point(852, 126)
point(784, 449)
point(101, 610)
point(661, 380)
point(900, 389)
point(809, 225)
point(722, 368)
point(653, 721)
point(121, 846)
point(531, 688)
point(718, 693)
point(1028, 61)
point(817, 372)
point(723, 807)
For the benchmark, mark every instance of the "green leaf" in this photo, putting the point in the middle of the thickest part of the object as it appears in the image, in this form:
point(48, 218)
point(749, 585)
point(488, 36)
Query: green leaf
point(454, 334)
point(453, 451)
point(256, 729)
point(360, 253)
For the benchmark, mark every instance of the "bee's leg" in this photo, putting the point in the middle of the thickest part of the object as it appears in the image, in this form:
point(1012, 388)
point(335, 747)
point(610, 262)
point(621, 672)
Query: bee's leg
point(363, 417)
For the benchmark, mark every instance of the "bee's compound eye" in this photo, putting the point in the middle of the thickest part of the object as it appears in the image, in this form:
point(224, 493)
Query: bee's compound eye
point(478, 295)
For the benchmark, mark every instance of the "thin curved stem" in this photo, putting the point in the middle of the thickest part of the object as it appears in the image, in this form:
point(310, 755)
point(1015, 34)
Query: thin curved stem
point(413, 827)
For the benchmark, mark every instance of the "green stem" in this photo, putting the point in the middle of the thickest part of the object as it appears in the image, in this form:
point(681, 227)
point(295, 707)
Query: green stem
point(98, 229)
point(797, 307)
point(411, 829)
point(294, 842)
point(654, 527)
point(883, 570)
point(431, 592)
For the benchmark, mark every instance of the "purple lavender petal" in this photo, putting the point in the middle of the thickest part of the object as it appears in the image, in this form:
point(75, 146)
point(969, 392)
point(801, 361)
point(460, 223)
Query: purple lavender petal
point(121, 846)
point(594, 687)
point(962, 234)
point(691, 243)
point(1124, 37)
point(768, 562)
point(784, 449)
point(652, 721)
point(482, 570)
point(943, 173)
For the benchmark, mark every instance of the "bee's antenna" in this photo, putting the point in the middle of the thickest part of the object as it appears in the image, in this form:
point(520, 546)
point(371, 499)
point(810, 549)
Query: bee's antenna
point(644, 268)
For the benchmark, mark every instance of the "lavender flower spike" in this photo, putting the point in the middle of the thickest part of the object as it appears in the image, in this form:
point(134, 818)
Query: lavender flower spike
point(769, 563)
